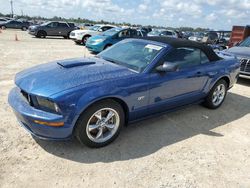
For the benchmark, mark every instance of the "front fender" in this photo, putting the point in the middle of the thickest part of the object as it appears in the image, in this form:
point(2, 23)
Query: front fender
point(98, 94)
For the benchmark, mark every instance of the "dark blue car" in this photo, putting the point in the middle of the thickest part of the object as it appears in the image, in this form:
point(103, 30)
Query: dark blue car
point(92, 98)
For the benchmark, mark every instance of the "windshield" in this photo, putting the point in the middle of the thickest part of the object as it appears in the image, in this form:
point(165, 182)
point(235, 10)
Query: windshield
point(111, 32)
point(46, 23)
point(155, 32)
point(135, 55)
point(95, 27)
point(245, 43)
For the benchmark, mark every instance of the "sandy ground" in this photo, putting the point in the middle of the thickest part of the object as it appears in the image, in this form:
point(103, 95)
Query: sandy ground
point(193, 147)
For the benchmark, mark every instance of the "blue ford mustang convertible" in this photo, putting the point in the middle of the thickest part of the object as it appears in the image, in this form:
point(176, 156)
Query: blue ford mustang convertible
point(92, 98)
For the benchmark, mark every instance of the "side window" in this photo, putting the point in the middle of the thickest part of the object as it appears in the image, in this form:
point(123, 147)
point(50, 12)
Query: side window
point(53, 24)
point(134, 33)
point(62, 25)
point(124, 33)
point(168, 33)
point(184, 57)
point(106, 28)
point(204, 58)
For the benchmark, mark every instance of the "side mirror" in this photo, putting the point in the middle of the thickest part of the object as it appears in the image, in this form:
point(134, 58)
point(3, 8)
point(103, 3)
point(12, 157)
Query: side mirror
point(167, 67)
point(100, 30)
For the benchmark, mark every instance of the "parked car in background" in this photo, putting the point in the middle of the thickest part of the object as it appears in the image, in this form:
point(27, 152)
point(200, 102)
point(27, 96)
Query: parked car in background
point(187, 34)
point(242, 52)
point(81, 36)
point(2, 20)
point(52, 28)
point(210, 37)
point(145, 29)
point(197, 37)
point(101, 42)
point(163, 32)
point(15, 24)
point(85, 26)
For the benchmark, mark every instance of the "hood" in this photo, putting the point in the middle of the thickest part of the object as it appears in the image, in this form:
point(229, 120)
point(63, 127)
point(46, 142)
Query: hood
point(239, 51)
point(97, 37)
point(51, 78)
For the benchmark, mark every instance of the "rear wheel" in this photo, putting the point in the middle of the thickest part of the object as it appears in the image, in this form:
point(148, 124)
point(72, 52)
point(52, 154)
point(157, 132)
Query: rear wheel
point(41, 34)
point(100, 124)
point(3, 27)
point(216, 95)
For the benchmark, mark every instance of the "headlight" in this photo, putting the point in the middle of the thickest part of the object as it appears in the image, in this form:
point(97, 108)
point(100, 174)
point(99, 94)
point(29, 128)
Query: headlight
point(81, 33)
point(98, 40)
point(47, 105)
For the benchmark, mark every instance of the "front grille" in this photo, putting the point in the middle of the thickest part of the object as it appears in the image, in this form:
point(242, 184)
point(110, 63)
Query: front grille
point(245, 65)
point(27, 97)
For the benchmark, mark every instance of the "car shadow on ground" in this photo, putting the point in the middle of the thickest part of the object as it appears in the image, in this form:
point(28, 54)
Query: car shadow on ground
point(48, 37)
point(244, 81)
point(147, 137)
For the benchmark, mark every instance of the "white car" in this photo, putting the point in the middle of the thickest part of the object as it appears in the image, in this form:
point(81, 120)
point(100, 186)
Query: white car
point(81, 36)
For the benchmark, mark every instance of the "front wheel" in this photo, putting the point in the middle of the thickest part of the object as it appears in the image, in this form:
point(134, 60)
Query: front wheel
point(24, 28)
point(84, 40)
point(100, 124)
point(216, 95)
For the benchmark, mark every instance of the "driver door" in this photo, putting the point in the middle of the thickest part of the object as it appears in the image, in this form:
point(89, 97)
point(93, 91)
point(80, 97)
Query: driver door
point(181, 87)
point(52, 29)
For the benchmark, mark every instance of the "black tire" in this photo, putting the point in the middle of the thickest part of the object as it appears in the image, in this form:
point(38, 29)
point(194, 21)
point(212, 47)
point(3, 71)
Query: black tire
point(78, 42)
point(84, 39)
point(65, 37)
point(41, 34)
point(3, 27)
point(24, 28)
point(80, 131)
point(209, 99)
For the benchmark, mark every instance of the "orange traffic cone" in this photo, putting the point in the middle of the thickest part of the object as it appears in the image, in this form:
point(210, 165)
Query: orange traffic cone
point(16, 39)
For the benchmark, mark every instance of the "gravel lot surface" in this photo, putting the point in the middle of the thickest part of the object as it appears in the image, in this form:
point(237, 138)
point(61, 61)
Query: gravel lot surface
point(193, 147)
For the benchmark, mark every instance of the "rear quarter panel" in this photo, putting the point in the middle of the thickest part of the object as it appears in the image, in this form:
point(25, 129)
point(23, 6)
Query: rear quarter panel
point(224, 68)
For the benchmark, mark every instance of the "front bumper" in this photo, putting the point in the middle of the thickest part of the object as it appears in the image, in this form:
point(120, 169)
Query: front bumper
point(75, 37)
point(31, 32)
point(94, 47)
point(26, 115)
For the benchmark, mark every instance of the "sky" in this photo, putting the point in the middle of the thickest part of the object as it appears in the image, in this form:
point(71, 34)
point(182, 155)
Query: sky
point(214, 14)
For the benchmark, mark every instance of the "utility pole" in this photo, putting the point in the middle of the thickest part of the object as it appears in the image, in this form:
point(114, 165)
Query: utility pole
point(11, 6)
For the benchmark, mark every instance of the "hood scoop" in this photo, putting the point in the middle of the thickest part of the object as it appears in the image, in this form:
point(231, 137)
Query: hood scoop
point(74, 63)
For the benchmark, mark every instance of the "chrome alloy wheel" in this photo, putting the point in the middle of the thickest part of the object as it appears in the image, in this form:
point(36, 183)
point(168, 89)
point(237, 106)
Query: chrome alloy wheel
point(102, 125)
point(219, 94)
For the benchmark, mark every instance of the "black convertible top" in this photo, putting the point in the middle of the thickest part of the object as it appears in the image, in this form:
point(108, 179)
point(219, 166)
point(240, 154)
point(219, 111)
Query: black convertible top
point(178, 43)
